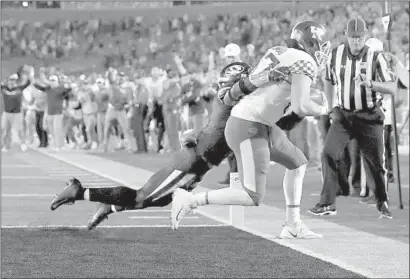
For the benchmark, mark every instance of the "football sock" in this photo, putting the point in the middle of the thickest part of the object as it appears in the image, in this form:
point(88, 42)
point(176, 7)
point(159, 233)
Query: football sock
point(293, 187)
point(117, 208)
point(121, 195)
point(225, 196)
point(162, 183)
point(161, 202)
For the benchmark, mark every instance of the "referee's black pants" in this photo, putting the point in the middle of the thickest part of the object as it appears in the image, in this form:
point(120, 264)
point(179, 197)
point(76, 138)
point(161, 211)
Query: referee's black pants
point(367, 128)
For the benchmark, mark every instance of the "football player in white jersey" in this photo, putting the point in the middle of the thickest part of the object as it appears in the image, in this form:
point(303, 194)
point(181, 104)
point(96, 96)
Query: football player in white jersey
point(252, 134)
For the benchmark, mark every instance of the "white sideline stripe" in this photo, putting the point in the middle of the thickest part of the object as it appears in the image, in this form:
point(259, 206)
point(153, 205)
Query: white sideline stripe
point(26, 195)
point(27, 177)
point(108, 226)
point(159, 217)
point(145, 211)
point(18, 166)
point(136, 177)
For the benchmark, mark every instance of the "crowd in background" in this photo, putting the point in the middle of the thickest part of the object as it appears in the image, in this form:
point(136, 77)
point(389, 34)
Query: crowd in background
point(160, 77)
point(137, 40)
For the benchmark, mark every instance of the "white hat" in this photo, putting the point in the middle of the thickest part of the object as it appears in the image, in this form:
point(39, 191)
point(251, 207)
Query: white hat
point(232, 50)
point(375, 44)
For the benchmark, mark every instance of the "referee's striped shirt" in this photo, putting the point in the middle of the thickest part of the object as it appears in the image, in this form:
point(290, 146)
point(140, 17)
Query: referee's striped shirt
point(343, 68)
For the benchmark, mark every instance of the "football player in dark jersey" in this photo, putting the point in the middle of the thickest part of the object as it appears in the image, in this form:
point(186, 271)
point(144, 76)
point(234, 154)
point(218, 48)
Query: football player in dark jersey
point(201, 151)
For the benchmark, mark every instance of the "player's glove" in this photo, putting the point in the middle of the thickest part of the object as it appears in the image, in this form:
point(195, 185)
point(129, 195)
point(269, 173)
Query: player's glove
point(189, 138)
point(222, 92)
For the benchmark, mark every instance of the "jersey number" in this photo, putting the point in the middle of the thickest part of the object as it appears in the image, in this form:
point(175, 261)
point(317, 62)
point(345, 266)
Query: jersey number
point(269, 60)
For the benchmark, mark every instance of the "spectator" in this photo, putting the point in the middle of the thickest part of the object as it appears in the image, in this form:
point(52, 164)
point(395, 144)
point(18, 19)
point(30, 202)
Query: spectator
point(12, 116)
point(56, 94)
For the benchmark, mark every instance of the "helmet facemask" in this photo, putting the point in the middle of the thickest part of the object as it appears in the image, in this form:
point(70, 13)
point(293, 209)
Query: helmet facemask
point(323, 54)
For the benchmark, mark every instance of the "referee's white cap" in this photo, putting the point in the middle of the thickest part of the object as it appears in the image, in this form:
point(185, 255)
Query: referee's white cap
point(375, 44)
point(232, 50)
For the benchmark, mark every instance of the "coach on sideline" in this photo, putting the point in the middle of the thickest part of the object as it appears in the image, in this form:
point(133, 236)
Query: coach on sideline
point(360, 77)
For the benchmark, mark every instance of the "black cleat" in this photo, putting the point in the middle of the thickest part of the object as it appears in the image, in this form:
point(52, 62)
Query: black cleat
point(322, 210)
point(102, 212)
point(383, 208)
point(72, 192)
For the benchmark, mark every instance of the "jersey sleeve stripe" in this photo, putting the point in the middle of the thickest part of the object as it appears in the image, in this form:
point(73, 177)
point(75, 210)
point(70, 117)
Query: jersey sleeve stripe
point(383, 68)
point(304, 67)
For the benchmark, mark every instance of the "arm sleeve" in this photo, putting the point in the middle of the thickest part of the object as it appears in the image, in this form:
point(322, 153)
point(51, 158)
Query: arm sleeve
point(304, 67)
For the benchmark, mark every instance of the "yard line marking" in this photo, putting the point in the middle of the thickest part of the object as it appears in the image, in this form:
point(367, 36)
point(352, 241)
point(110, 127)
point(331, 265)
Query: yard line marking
point(108, 226)
point(26, 195)
point(18, 166)
point(27, 177)
point(159, 217)
point(145, 210)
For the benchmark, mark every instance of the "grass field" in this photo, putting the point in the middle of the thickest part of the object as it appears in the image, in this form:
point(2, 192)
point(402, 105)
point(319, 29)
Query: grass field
point(38, 243)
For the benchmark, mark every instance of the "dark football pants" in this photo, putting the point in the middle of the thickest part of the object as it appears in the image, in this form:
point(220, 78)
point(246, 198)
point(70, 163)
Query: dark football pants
point(185, 170)
point(367, 128)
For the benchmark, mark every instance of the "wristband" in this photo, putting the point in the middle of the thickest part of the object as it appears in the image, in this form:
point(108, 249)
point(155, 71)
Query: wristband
point(371, 84)
point(246, 86)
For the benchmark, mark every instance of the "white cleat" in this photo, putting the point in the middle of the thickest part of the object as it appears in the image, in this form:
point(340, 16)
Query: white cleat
point(23, 147)
point(182, 204)
point(298, 230)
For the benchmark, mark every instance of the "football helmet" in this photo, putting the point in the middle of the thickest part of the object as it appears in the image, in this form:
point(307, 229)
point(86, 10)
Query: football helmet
point(232, 73)
point(310, 37)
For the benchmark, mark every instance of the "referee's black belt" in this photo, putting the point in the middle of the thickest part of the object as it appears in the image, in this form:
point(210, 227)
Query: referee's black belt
point(370, 109)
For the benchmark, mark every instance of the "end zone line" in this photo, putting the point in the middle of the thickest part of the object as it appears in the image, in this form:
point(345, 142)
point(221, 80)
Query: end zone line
point(107, 226)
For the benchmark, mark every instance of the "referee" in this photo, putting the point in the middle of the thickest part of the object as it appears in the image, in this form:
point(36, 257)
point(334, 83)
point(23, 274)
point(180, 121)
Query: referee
point(360, 77)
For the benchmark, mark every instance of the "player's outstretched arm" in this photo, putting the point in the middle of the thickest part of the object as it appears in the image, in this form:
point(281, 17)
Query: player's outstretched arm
point(248, 84)
point(301, 104)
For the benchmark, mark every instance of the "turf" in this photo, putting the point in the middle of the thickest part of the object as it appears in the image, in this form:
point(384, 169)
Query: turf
point(154, 252)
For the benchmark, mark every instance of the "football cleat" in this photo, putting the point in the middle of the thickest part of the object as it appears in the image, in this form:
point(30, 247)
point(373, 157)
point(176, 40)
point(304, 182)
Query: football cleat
point(321, 210)
point(72, 192)
point(182, 204)
point(101, 214)
point(298, 230)
point(383, 208)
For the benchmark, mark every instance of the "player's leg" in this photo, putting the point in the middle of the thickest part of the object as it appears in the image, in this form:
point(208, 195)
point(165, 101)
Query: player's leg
point(148, 196)
point(249, 141)
point(284, 152)
point(158, 185)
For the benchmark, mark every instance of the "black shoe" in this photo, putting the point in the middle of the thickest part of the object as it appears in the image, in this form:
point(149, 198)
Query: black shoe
point(322, 210)
point(383, 208)
point(102, 212)
point(72, 192)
